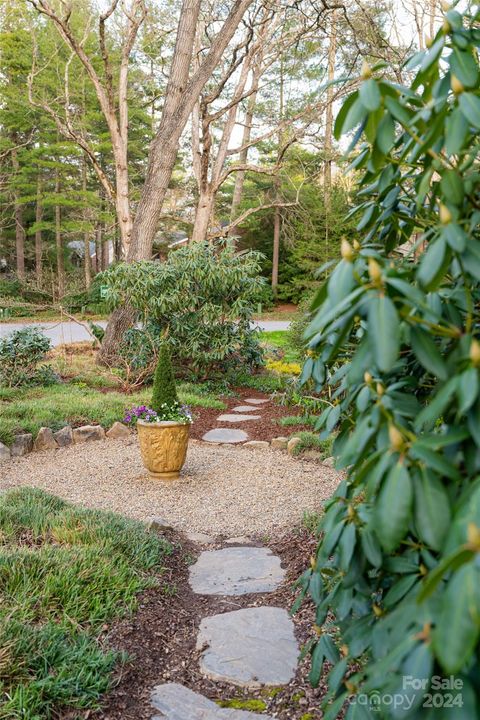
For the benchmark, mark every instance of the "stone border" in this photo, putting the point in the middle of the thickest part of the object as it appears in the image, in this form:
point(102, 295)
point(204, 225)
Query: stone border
point(49, 440)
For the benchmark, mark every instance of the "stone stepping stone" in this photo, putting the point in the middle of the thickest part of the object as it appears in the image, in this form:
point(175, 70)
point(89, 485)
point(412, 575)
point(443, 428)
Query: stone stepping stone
point(236, 571)
point(231, 418)
point(225, 435)
point(249, 647)
point(244, 409)
point(256, 401)
point(176, 702)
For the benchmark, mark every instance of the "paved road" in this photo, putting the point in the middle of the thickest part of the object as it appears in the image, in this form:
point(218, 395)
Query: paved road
point(68, 332)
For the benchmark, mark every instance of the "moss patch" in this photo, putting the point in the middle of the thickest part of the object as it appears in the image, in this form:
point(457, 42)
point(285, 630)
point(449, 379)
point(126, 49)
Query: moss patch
point(241, 704)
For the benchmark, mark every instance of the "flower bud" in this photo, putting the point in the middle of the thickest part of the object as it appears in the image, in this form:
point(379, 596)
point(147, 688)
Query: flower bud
point(367, 377)
point(396, 438)
point(445, 6)
point(356, 245)
point(445, 214)
point(374, 270)
point(446, 27)
point(377, 610)
point(366, 71)
point(428, 41)
point(346, 250)
point(456, 85)
point(475, 352)
point(473, 536)
point(380, 389)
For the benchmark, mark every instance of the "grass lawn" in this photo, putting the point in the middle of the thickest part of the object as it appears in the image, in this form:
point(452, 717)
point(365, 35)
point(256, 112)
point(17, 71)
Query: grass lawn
point(280, 340)
point(88, 394)
point(64, 573)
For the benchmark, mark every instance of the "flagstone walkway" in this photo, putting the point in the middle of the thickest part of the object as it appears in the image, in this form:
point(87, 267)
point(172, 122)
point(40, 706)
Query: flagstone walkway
point(239, 415)
point(248, 648)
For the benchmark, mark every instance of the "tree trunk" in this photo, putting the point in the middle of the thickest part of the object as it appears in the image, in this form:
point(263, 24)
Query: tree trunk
point(276, 248)
point(276, 217)
point(180, 98)
point(332, 49)
point(203, 216)
point(19, 226)
point(86, 234)
point(99, 246)
point(243, 155)
point(38, 233)
point(58, 242)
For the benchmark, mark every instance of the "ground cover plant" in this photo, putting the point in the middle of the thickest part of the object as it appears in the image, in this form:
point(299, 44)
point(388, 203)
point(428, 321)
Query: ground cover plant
point(395, 336)
point(64, 573)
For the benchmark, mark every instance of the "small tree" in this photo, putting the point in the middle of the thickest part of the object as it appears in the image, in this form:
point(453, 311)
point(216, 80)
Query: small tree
point(164, 389)
point(203, 297)
point(396, 337)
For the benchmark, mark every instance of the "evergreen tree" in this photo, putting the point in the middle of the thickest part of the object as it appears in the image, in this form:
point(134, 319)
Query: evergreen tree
point(164, 388)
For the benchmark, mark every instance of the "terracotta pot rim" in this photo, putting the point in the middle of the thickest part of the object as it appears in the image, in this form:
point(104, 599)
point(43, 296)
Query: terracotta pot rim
point(162, 423)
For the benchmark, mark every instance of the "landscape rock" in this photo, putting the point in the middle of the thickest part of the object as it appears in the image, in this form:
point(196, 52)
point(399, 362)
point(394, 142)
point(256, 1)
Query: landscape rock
point(177, 702)
point(256, 401)
point(4, 453)
point(329, 462)
point(22, 445)
point(45, 440)
point(158, 524)
point(292, 444)
point(199, 537)
point(244, 409)
point(257, 444)
point(236, 571)
point(224, 435)
point(86, 433)
point(249, 647)
point(231, 418)
point(280, 443)
point(118, 431)
point(64, 436)
point(241, 540)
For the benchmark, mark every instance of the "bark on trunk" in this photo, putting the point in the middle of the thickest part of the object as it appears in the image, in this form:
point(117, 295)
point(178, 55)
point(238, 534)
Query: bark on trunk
point(203, 216)
point(86, 234)
point(276, 248)
point(58, 242)
point(38, 233)
point(19, 226)
point(332, 49)
point(243, 155)
point(98, 247)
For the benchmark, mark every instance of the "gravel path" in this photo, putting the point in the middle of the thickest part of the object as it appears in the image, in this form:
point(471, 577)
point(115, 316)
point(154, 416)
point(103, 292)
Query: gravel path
point(223, 490)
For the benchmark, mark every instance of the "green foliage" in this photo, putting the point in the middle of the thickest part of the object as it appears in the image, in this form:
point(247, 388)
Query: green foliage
point(20, 354)
point(164, 389)
point(203, 297)
point(311, 232)
point(397, 565)
point(64, 573)
point(311, 441)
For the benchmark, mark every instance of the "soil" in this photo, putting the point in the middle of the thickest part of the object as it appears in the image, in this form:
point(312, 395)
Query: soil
point(264, 429)
point(160, 640)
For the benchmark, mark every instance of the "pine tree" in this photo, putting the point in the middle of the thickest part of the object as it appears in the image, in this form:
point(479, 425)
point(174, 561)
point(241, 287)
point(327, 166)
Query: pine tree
point(164, 389)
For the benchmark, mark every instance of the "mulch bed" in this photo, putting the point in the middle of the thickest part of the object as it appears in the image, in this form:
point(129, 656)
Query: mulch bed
point(264, 429)
point(160, 640)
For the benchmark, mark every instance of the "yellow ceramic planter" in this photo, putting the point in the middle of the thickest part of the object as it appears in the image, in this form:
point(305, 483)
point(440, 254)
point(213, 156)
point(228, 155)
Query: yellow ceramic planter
point(163, 446)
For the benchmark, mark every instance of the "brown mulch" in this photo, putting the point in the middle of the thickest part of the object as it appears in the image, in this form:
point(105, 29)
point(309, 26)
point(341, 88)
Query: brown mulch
point(264, 429)
point(160, 640)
